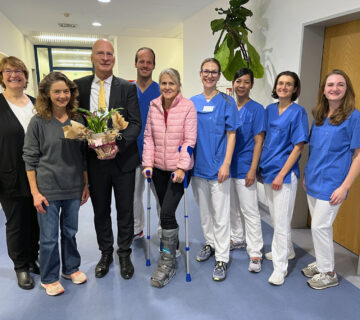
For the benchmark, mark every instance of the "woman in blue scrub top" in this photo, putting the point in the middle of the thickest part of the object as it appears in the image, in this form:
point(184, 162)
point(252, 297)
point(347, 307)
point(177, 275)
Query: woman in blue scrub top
point(333, 165)
point(216, 116)
point(286, 132)
point(243, 184)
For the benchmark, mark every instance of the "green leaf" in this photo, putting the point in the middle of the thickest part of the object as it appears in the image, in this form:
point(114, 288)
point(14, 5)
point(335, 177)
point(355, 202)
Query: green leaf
point(254, 60)
point(217, 25)
point(235, 64)
point(217, 46)
point(223, 54)
point(84, 111)
point(237, 3)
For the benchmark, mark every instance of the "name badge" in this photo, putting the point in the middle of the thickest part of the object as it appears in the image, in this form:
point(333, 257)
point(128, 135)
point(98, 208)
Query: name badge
point(208, 109)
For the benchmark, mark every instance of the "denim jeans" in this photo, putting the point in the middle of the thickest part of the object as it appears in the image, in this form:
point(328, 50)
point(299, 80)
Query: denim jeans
point(49, 235)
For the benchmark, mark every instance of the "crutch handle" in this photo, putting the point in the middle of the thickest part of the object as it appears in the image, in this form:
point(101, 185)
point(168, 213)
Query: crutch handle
point(147, 172)
point(190, 151)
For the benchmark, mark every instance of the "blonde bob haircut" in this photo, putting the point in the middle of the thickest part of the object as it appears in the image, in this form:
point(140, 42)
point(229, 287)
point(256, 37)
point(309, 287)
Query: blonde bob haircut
point(173, 74)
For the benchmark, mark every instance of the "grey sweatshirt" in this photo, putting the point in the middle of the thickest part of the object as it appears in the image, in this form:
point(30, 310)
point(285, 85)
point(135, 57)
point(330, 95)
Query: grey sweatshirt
point(59, 163)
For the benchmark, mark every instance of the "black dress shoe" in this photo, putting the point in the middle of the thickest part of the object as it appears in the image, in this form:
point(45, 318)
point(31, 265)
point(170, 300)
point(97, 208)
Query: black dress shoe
point(102, 268)
point(34, 267)
point(126, 267)
point(24, 280)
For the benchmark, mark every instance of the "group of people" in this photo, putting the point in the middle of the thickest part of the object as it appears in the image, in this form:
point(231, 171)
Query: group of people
point(45, 178)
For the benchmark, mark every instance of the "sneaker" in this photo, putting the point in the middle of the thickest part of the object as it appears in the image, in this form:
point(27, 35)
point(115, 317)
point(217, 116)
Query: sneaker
point(255, 264)
point(323, 281)
point(219, 273)
point(139, 235)
point(237, 245)
point(205, 253)
point(77, 277)
point(310, 270)
point(178, 252)
point(53, 289)
point(291, 256)
point(277, 278)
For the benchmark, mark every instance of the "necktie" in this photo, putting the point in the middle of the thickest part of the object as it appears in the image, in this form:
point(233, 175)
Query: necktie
point(102, 101)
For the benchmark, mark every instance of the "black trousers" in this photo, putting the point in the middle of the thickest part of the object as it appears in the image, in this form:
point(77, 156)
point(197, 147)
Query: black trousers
point(169, 195)
point(22, 231)
point(105, 176)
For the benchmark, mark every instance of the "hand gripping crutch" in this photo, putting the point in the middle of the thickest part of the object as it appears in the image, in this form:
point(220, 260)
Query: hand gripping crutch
point(148, 205)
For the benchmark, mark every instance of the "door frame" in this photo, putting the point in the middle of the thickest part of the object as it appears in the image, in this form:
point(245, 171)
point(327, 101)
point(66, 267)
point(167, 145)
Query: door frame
point(313, 34)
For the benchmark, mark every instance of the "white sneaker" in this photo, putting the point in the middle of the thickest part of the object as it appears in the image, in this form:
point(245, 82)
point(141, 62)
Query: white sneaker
point(277, 278)
point(291, 256)
point(255, 265)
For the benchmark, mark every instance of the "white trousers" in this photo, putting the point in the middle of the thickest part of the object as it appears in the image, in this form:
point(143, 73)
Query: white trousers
point(139, 214)
point(244, 202)
point(281, 206)
point(213, 199)
point(323, 215)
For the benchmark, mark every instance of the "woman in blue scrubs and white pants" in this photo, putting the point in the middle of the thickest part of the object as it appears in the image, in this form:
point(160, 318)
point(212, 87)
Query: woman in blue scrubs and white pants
point(216, 116)
point(333, 165)
point(243, 183)
point(287, 130)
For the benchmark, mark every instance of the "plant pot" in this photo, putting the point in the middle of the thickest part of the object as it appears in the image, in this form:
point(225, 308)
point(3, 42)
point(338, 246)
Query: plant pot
point(103, 143)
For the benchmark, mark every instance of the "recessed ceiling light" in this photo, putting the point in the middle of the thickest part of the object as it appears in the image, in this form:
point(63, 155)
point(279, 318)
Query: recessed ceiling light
point(104, 1)
point(96, 24)
point(85, 53)
point(65, 38)
point(71, 61)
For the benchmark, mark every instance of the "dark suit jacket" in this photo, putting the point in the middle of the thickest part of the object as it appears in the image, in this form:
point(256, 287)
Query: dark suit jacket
point(13, 179)
point(122, 94)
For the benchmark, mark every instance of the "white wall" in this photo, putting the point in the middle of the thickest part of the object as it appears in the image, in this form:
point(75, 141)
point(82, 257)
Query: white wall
point(277, 35)
point(169, 53)
point(277, 27)
point(13, 43)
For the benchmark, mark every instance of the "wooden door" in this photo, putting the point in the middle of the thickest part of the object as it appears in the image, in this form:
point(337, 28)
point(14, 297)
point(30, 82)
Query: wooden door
point(342, 51)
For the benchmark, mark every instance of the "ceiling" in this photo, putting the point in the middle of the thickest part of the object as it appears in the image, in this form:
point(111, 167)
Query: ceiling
point(133, 18)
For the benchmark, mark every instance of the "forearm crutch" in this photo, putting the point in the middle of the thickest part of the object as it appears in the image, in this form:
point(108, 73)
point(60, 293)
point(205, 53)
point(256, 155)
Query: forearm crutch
point(148, 206)
point(186, 217)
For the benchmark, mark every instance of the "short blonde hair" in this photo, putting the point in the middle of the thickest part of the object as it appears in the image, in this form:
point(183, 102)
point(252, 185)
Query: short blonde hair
point(173, 74)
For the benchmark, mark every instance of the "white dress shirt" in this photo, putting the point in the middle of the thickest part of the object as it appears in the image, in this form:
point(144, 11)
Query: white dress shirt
point(94, 95)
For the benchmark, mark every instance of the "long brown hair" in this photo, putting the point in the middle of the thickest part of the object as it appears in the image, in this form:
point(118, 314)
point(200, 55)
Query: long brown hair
point(43, 104)
point(346, 107)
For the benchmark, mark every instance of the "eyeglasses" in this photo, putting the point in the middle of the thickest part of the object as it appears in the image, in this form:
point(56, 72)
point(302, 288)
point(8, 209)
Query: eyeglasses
point(10, 72)
point(208, 72)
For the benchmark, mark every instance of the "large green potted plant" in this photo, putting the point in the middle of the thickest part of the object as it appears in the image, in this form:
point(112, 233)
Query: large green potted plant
point(233, 49)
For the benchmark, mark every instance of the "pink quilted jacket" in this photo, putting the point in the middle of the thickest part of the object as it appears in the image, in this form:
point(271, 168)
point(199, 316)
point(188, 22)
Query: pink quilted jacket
point(161, 142)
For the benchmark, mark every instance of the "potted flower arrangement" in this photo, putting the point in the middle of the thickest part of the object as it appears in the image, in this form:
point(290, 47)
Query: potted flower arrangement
point(99, 136)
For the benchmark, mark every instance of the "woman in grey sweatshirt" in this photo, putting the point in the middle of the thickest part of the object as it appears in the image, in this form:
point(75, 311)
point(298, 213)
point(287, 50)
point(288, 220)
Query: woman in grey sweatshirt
point(56, 169)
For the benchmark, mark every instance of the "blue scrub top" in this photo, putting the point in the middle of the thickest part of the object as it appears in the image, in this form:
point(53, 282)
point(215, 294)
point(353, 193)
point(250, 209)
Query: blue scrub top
point(214, 118)
point(251, 122)
point(330, 155)
point(283, 132)
point(151, 93)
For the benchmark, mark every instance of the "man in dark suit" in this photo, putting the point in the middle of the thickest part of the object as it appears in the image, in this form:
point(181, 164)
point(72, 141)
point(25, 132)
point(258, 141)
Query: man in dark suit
point(118, 173)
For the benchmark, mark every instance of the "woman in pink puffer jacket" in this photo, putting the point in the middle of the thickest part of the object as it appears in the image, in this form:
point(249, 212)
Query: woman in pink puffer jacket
point(171, 128)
